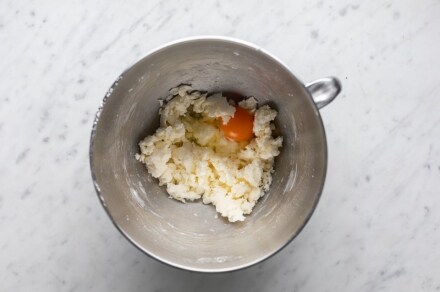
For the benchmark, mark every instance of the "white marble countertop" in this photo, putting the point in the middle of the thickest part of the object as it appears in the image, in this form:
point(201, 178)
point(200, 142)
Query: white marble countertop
point(377, 226)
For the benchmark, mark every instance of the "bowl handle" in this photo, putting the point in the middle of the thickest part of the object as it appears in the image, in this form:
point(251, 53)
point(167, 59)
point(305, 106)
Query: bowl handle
point(324, 90)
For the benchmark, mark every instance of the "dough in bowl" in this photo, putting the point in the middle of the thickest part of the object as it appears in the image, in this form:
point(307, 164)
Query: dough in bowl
point(192, 157)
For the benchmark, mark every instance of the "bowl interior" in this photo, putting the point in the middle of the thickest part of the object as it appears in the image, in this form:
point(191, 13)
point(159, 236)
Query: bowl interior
point(190, 235)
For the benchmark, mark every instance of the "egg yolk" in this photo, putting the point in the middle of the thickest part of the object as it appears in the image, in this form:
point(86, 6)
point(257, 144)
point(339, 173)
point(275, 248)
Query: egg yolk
point(240, 127)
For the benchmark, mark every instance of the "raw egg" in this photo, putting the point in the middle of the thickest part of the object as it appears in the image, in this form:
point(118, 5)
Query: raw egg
point(240, 127)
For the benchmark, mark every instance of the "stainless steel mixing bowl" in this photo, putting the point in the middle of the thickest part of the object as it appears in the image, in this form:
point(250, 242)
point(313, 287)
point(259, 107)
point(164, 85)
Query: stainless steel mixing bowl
point(191, 236)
